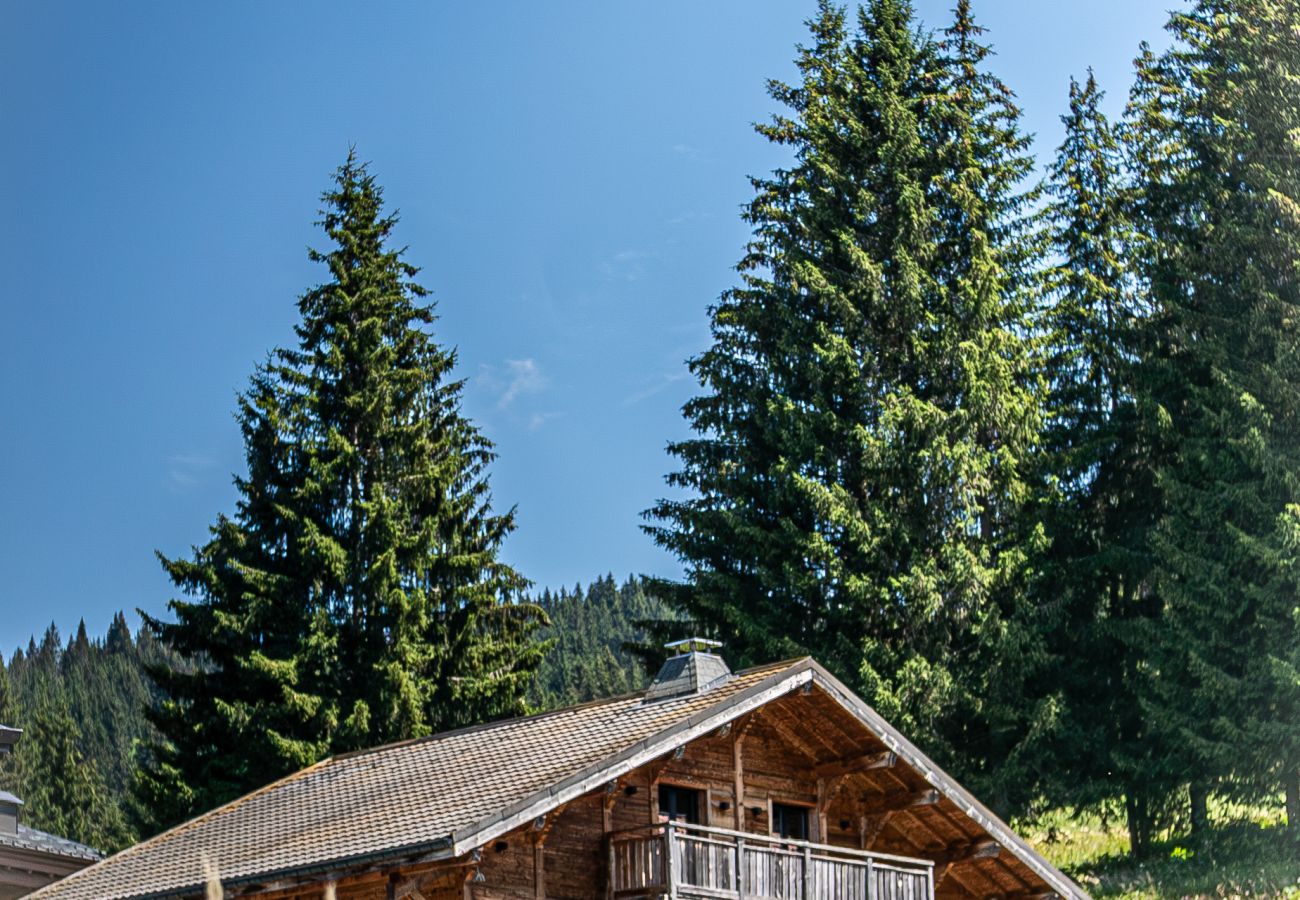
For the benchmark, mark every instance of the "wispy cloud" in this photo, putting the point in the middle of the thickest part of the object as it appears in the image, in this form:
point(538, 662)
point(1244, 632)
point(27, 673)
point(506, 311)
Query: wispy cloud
point(512, 383)
point(689, 217)
point(650, 390)
point(626, 265)
point(687, 150)
point(184, 470)
point(538, 419)
point(514, 379)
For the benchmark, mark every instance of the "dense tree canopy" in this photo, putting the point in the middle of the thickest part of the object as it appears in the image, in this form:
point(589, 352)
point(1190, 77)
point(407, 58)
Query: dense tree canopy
point(1021, 465)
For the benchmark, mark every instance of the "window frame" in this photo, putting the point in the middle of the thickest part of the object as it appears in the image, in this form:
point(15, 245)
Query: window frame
point(808, 820)
point(701, 802)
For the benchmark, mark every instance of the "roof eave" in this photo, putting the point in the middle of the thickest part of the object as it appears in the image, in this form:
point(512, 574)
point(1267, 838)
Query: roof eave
point(947, 785)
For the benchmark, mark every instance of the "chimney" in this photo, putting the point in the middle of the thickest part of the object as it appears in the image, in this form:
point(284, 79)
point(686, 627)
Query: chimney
point(8, 802)
point(694, 669)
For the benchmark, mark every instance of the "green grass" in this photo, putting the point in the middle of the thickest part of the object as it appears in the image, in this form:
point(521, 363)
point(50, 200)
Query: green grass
point(1248, 852)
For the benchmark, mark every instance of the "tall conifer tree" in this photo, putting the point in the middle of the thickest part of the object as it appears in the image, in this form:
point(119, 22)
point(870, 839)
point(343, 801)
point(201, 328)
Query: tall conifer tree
point(1216, 124)
point(778, 544)
point(869, 409)
point(356, 596)
point(1103, 504)
point(983, 425)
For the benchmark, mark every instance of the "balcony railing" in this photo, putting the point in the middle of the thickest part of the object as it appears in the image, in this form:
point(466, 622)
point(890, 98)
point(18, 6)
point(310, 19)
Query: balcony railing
point(693, 861)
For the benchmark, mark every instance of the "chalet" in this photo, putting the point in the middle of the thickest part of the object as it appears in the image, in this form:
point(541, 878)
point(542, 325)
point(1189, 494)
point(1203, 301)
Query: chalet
point(773, 782)
point(29, 858)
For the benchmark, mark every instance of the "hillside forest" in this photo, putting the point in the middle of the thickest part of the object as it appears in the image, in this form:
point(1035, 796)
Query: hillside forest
point(1016, 456)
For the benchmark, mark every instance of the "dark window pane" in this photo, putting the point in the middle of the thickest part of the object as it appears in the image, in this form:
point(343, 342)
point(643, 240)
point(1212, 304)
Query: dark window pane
point(790, 821)
point(679, 804)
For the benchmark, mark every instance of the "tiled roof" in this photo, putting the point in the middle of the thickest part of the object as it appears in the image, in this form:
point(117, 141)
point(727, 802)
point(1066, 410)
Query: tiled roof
point(31, 839)
point(449, 791)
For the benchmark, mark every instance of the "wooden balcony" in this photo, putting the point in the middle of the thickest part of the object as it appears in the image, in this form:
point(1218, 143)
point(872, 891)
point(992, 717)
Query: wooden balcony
point(692, 861)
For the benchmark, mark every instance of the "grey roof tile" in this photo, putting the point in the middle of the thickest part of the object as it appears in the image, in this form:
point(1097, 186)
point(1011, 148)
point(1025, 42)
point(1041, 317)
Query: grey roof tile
point(33, 839)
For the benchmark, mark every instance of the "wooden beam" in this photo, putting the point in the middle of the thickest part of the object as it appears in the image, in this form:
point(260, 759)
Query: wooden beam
point(827, 790)
point(539, 869)
point(607, 805)
point(789, 736)
point(869, 828)
point(982, 849)
point(738, 733)
point(901, 801)
point(864, 762)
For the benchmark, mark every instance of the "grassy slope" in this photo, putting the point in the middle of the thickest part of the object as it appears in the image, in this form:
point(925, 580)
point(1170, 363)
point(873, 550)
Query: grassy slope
point(1248, 853)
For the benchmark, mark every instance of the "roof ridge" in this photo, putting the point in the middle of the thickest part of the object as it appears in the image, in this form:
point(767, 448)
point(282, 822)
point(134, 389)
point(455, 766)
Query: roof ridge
point(528, 717)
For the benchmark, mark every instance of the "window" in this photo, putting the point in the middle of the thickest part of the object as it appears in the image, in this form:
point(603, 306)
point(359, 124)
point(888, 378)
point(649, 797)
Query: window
point(790, 822)
point(679, 804)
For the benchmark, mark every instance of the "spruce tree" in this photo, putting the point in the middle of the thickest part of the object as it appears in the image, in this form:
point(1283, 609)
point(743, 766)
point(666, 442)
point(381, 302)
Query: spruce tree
point(985, 418)
point(1102, 500)
point(1219, 173)
point(778, 538)
point(870, 405)
point(356, 595)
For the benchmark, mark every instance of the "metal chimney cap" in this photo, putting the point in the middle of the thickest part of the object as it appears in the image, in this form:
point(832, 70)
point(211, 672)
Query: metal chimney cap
point(693, 645)
point(692, 671)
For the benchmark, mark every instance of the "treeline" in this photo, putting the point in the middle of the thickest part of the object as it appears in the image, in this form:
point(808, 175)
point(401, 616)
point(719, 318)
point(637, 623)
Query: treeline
point(82, 703)
point(589, 635)
point(81, 706)
point(1019, 460)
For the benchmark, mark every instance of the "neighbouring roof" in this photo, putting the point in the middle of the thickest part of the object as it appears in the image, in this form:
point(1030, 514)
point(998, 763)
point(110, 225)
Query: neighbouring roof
point(8, 737)
point(447, 794)
point(39, 841)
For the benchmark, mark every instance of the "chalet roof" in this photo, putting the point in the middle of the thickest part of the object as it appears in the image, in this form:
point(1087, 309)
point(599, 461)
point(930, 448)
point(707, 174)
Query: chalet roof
point(40, 842)
point(445, 795)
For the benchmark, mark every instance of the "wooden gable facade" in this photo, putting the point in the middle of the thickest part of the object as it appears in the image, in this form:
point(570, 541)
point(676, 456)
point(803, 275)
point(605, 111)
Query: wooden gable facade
point(802, 752)
point(785, 786)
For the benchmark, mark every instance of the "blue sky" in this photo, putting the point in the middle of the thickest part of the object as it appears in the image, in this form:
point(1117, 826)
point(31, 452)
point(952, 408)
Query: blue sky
point(569, 175)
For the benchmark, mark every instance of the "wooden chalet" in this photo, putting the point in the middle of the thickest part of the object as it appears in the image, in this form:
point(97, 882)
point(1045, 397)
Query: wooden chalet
point(774, 782)
point(31, 858)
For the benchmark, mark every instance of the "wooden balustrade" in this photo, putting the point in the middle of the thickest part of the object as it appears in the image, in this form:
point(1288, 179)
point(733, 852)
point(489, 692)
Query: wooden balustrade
point(676, 860)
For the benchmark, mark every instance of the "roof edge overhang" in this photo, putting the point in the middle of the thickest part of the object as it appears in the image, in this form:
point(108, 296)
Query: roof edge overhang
point(709, 719)
point(426, 851)
point(947, 785)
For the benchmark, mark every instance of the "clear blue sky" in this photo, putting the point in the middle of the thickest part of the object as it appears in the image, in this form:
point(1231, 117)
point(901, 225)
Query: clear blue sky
point(569, 176)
